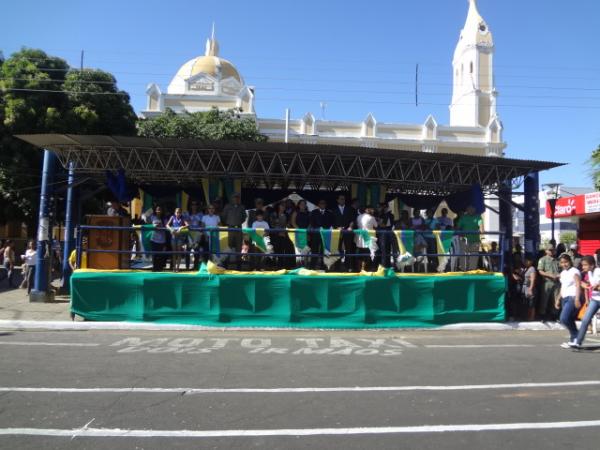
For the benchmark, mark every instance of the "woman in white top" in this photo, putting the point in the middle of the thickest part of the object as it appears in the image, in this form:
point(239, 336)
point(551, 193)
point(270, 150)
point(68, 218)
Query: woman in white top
point(592, 289)
point(570, 291)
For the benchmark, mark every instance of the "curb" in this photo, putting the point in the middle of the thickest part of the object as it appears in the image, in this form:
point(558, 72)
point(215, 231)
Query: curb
point(149, 326)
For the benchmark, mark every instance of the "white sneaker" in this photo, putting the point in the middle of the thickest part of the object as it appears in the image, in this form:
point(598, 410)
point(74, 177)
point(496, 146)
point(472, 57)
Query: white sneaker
point(574, 344)
point(567, 344)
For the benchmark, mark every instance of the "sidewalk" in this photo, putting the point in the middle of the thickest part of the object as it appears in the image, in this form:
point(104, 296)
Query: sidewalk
point(15, 305)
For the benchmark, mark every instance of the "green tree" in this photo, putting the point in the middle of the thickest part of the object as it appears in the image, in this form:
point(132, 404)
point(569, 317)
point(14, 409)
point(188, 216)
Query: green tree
point(595, 162)
point(568, 238)
point(41, 94)
point(97, 106)
point(210, 125)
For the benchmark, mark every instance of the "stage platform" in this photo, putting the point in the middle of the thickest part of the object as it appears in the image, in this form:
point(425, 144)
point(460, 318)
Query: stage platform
point(288, 299)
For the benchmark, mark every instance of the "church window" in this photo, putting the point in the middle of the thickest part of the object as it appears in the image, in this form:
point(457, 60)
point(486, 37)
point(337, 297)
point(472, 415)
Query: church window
point(230, 90)
point(202, 85)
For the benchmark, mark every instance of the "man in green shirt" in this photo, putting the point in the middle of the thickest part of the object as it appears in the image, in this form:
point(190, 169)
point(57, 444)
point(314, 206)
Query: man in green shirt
point(549, 271)
point(471, 221)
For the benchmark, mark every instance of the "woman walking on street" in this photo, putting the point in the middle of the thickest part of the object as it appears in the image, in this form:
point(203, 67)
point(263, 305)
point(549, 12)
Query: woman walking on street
point(570, 297)
point(591, 286)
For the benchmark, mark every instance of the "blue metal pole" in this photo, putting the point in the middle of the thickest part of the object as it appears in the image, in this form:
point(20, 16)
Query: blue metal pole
point(532, 214)
point(506, 223)
point(69, 229)
point(41, 291)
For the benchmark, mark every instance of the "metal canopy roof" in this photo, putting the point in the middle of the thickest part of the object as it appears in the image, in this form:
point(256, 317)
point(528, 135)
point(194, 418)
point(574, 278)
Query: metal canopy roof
point(185, 162)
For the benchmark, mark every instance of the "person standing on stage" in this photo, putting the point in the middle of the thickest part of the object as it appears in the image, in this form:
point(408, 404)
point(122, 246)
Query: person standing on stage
point(158, 240)
point(344, 217)
point(320, 217)
point(471, 222)
point(570, 297)
point(444, 222)
point(194, 220)
point(259, 207)
point(365, 221)
point(178, 227)
point(591, 285)
point(233, 216)
point(300, 217)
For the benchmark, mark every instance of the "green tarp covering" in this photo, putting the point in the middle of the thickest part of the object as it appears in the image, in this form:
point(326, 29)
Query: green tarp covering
point(289, 300)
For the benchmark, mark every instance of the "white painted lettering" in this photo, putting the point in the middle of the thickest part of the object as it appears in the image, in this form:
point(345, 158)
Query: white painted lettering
point(221, 342)
point(312, 351)
point(279, 351)
point(338, 342)
point(255, 343)
point(185, 342)
point(162, 350)
point(136, 342)
point(344, 351)
point(310, 342)
point(133, 349)
point(366, 351)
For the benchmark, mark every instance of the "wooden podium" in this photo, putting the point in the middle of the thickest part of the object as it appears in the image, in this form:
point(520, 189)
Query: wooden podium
point(108, 240)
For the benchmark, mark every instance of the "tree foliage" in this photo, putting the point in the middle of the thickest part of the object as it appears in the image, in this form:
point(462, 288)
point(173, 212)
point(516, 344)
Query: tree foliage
point(595, 162)
point(41, 94)
point(209, 125)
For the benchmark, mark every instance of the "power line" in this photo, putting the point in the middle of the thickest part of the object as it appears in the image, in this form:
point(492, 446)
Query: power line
point(355, 101)
point(54, 91)
point(335, 90)
point(264, 57)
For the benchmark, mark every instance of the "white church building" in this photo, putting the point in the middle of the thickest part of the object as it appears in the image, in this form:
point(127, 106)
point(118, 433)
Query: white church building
point(475, 129)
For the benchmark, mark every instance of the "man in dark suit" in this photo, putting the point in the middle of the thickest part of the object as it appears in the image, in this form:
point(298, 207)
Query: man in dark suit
point(320, 217)
point(345, 220)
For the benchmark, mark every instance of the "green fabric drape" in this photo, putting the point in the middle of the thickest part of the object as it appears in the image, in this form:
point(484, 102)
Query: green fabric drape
point(289, 300)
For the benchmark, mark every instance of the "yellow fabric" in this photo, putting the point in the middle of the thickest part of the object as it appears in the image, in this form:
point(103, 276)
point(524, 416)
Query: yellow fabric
point(205, 189)
point(73, 259)
point(184, 200)
point(212, 268)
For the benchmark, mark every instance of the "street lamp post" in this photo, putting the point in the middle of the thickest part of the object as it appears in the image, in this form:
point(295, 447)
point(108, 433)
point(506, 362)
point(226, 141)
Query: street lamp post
point(552, 195)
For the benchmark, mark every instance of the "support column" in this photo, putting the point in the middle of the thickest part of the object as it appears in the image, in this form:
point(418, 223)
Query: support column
point(42, 291)
point(506, 222)
point(532, 214)
point(69, 231)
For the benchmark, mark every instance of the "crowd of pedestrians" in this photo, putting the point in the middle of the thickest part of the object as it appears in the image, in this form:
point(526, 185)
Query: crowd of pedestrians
point(9, 262)
point(561, 285)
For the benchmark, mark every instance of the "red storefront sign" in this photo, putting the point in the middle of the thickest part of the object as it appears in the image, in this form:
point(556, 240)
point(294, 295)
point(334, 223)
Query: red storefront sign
point(575, 206)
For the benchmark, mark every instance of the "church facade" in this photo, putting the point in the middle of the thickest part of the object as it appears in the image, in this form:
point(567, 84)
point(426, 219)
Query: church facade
point(474, 128)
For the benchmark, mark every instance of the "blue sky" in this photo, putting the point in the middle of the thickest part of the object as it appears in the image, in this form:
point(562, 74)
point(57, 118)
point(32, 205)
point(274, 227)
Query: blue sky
point(356, 56)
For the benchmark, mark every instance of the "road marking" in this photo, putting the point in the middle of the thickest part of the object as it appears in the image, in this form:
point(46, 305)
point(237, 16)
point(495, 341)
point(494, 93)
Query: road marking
point(57, 344)
point(487, 345)
point(186, 391)
point(119, 432)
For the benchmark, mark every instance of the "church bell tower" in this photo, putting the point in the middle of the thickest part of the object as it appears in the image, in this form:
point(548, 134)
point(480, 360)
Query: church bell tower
point(474, 94)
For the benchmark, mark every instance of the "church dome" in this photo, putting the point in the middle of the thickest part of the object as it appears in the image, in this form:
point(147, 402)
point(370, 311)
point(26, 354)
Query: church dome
point(210, 64)
point(214, 66)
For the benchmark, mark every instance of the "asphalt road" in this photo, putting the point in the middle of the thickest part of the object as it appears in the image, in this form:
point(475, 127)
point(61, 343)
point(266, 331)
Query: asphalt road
point(292, 390)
